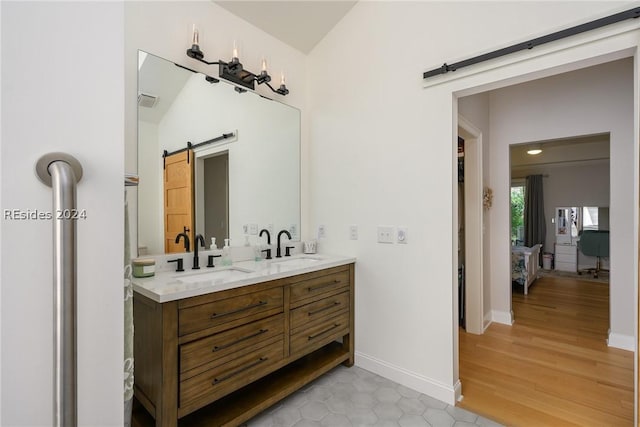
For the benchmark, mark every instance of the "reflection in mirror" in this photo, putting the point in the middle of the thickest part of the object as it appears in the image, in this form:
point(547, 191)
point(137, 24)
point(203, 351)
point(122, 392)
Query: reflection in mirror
point(595, 218)
point(241, 183)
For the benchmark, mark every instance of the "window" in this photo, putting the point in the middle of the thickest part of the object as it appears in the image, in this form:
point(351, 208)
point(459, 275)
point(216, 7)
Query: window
point(517, 213)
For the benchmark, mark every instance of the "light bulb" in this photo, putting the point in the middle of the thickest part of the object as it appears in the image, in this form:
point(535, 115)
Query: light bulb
point(534, 150)
point(264, 65)
point(235, 51)
point(196, 36)
point(282, 78)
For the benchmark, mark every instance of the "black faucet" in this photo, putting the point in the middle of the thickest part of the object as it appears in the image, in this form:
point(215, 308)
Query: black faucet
point(196, 259)
point(264, 230)
point(211, 258)
point(278, 251)
point(179, 264)
point(186, 240)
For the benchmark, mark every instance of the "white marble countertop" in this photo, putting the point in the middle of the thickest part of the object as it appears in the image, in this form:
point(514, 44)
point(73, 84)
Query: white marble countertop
point(171, 285)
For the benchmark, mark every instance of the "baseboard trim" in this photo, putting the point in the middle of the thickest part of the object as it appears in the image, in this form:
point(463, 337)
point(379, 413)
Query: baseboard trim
point(428, 386)
point(487, 322)
point(506, 318)
point(623, 342)
point(457, 388)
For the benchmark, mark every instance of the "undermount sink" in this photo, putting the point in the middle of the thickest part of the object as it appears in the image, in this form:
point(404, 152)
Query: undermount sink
point(213, 275)
point(298, 262)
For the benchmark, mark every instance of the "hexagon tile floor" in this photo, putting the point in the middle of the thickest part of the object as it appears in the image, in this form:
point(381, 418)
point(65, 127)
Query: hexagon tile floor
point(356, 397)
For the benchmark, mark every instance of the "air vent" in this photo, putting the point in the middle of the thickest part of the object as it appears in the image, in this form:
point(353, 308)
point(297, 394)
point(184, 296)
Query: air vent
point(146, 100)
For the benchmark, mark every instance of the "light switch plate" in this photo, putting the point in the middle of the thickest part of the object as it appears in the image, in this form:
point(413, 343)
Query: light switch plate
point(253, 229)
point(353, 232)
point(322, 232)
point(385, 234)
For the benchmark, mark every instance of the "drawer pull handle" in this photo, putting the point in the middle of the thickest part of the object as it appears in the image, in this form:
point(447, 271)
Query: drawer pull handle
point(249, 307)
point(335, 325)
point(239, 371)
point(335, 304)
point(231, 344)
point(324, 285)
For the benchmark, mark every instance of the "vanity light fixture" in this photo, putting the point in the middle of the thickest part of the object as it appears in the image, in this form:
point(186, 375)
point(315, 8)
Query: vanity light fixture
point(534, 149)
point(233, 70)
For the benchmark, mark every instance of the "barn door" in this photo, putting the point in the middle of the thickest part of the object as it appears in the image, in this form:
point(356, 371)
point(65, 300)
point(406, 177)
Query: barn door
point(178, 199)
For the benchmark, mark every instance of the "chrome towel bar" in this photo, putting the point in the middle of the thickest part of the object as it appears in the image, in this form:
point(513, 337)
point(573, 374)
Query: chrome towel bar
point(62, 172)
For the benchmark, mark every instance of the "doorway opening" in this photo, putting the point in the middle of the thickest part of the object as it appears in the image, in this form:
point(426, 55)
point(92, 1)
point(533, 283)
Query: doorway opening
point(539, 110)
point(212, 196)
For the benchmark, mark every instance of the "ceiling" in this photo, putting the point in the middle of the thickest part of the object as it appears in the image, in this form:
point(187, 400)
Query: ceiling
point(300, 24)
point(559, 152)
point(157, 77)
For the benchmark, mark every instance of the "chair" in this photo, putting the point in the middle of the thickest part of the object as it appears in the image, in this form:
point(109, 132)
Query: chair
point(594, 243)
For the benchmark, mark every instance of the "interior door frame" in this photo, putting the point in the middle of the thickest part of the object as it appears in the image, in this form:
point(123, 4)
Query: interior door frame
point(567, 55)
point(473, 221)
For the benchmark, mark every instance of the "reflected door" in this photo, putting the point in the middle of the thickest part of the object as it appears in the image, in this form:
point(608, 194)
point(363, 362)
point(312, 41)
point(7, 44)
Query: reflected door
point(216, 197)
point(178, 199)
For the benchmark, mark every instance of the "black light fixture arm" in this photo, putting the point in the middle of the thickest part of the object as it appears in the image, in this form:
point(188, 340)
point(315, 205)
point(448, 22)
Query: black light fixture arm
point(282, 90)
point(572, 31)
point(235, 72)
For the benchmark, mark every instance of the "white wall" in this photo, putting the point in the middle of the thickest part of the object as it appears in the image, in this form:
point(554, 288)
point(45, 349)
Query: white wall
point(578, 103)
point(382, 150)
point(150, 222)
point(62, 90)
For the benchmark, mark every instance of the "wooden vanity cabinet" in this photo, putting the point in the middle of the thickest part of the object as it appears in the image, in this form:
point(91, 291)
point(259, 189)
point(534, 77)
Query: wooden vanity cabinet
point(221, 358)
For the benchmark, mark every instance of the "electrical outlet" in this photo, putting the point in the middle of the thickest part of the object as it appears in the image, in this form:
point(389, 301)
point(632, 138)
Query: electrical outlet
point(253, 229)
point(385, 234)
point(322, 232)
point(403, 235)
point(353, 232)
point(245, 228)
point(293, 230)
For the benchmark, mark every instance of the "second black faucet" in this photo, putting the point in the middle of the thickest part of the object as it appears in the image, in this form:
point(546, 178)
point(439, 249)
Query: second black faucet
point(196, 259)
point(278, 251)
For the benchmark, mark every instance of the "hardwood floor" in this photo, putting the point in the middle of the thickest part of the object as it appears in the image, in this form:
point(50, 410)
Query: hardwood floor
point(553, 366)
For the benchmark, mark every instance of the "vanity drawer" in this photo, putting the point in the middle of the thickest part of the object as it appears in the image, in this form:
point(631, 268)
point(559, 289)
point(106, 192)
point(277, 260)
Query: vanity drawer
point(305, 315)
point(214, 383)
point(217, 349)
point(319, 287)
point(239, 309)
point(319, 334)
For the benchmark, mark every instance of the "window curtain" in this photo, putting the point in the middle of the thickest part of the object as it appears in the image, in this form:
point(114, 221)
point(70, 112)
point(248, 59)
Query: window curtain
point(535, 229)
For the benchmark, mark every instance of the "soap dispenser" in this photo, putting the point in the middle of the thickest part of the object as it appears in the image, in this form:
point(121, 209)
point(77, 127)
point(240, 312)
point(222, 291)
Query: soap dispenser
point(226, 253)
point(257, 249)
point(213, 244)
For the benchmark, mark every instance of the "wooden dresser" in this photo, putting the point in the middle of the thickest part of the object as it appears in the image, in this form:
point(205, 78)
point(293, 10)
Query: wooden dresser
point(226, 356)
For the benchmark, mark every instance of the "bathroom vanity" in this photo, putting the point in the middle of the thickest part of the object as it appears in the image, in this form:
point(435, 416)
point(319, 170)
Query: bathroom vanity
point(219, 347)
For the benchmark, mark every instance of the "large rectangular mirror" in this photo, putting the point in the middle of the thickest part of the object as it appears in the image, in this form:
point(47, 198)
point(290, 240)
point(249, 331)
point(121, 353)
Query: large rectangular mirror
point(245, 178)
